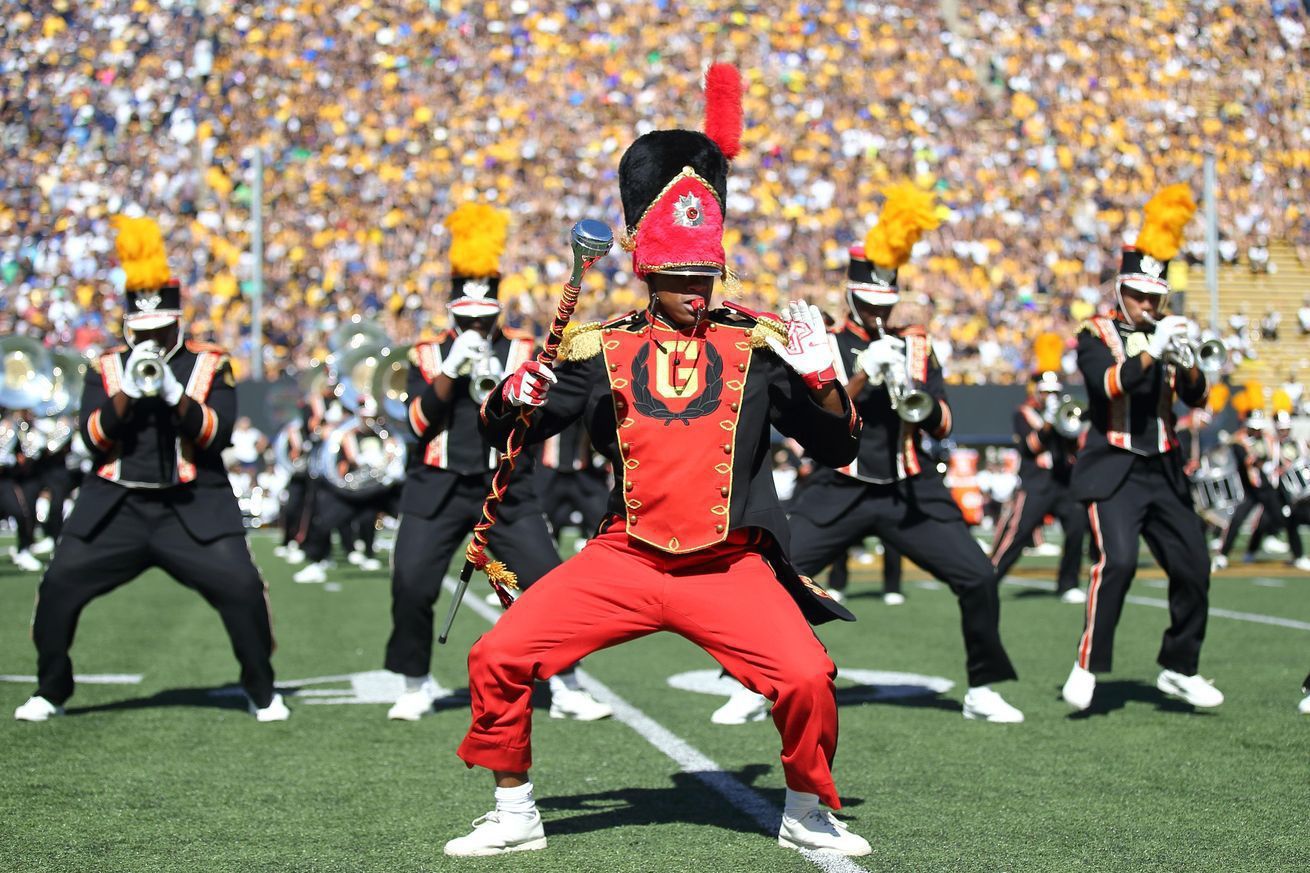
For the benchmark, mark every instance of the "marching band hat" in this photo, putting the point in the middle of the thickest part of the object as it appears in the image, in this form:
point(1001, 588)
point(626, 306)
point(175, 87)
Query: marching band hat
point(478, 233)
point(1144, 266)
point(152, 297)
point(907, 212)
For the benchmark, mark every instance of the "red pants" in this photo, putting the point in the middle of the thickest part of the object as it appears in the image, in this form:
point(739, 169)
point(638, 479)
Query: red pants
point(725, 599)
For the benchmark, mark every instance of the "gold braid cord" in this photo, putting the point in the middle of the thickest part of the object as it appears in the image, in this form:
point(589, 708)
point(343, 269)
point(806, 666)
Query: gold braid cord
point(501, 577)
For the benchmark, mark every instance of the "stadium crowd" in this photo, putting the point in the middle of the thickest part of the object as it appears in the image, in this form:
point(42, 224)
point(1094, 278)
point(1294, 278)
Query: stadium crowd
point(1042, 126)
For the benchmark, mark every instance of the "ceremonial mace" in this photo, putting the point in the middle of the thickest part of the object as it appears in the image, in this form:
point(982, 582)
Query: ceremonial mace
point(591, 241)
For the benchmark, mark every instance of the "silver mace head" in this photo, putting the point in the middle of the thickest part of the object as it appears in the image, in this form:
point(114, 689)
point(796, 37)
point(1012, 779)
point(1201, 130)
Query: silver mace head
point(591, 238)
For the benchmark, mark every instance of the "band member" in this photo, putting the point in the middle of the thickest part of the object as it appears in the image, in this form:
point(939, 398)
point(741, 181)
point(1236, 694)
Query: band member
point(573, 481)
point(892, 490)
point(450, 470)
point(1294, 453)
point(53, 476)
point(1255, 451)
point(1129, 470)
point(680, 399)
point(1047, 447)
point(157, 415)
point(17, 472)
point(296, 436)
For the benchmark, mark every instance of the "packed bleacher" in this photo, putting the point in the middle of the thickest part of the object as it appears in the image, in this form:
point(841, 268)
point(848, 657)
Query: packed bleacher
point(1043, 126)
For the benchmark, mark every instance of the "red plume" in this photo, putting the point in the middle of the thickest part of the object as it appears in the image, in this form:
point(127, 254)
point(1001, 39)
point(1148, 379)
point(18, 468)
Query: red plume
point(723, 108)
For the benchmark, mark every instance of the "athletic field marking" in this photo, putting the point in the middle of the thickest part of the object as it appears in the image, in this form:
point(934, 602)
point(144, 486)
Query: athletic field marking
point(868, 684)
point(85, 678)
point(1253, 617)
point(687, 757)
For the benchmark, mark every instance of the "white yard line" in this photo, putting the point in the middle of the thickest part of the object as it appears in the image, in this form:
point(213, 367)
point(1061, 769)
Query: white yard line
point(690, 759)
point(1253, 617)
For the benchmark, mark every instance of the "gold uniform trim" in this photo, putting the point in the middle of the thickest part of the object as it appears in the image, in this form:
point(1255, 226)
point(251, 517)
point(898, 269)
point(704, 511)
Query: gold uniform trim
point(580, 343)
point(767, 327)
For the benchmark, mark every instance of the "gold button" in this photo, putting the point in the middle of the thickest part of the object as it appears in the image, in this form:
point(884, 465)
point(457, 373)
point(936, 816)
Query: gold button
point(741, 368)
point(627, 447)
point(727, 448)
point(628, 486)
point(734, 406)
point(632, 521)
point(614, 368)
point(723, 492)
point(718, 528)
point(714, 327)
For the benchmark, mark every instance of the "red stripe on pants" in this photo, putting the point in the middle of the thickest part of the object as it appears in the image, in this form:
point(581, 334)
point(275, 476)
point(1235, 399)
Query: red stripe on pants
point(724, 599)
point(1093, 589)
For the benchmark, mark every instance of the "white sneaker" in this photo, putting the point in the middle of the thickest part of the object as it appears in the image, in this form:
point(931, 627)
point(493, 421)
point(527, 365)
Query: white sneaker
point(315, 574)
point(280, 551)
point(43, 547)
point(499, 832)
point(1274, 547)
point(1073, 595)
point(893, 598)
point(1304, 706)
point(1047, 550)
point(37, 709)
point(744, 705)
point(1192, 689)
point(837, 595)
point(819, 829)
point(413, 705)
point(984, 703)
point(1302, 563)
point(1219, 562)
point(356, 558)
point(1078, 688)
point(275, 711)
point(575, 703)
point(370, 565)
point(295, 555)
point(27, 561)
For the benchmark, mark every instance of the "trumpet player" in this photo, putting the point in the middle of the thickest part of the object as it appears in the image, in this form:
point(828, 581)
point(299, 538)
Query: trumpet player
point(450, 469)
point(892, 490)
point(1136, 363)
point(1255, 452)
point(1047, 433)
point(156, 415)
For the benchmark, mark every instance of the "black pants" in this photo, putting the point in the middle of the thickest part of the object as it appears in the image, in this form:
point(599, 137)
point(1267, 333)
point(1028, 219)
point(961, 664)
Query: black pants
point(294, 521)
point(1271, 508)
point(424, 549)
point(1298, 515)
point(14, 504)
point(56, 481)
point(141, 533)
point(328, 511)
point(839, 576)
point(1146, 506)
point(585, 492)
point(945, 549)
point(1029, 510)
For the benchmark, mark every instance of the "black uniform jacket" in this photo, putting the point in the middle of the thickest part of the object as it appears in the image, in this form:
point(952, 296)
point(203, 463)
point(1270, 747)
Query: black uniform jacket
point(1045, 457)
point(891, 452)
point(449, 443)
point(153, 452)
point(1131, 408)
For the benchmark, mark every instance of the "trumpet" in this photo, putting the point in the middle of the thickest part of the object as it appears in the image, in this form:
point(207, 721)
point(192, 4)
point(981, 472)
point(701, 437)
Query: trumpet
point(485, 373)
point(1210, 356)
point(911, 404)
point(1069, 418)
point(148, 370)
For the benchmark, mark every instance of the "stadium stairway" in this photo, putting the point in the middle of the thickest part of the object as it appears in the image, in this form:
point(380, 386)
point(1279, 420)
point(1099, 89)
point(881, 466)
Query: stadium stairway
point(1283, 291)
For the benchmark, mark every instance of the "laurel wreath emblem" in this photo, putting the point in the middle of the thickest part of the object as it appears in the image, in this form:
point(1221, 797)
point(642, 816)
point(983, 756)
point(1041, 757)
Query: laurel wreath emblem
point(652, 407)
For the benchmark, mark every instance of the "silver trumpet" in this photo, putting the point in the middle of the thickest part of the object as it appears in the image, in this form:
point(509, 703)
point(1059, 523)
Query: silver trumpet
point(911, 404)
point(148, 370)
point(1210, 356)
point(485, 374)
point(1069, 418)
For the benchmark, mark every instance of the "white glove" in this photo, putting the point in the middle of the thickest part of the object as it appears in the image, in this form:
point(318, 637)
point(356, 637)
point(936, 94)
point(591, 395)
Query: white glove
point(527, 386)
point(139, 353)
point(467, 346)
point(170, 389)
point(1166, 330)
point(883, 356)
point(807, 351)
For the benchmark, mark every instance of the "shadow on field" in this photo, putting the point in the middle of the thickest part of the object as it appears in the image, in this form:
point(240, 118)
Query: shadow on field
point(912, 697)
point(203, 698)
point(690, 799)
point(1112, 696)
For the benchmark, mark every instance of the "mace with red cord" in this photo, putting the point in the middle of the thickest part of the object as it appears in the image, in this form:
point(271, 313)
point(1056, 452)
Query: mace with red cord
point(591, 241)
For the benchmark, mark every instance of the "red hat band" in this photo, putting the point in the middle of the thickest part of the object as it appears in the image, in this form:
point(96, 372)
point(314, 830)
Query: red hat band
point(681, 231)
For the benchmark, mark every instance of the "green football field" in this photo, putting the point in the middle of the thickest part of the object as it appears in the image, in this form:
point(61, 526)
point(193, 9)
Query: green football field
point(157, 766)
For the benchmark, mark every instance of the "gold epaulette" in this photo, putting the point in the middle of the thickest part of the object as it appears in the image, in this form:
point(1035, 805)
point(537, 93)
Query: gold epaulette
point(764, 327)
point(581, 342)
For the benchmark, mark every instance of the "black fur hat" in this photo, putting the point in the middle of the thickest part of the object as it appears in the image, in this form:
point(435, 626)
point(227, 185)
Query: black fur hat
point(656, 158)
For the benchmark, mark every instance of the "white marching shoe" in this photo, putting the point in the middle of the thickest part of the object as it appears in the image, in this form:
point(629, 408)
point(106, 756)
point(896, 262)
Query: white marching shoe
point(43, 547)
point(743, 706)
point(37, 709)
point(893, 598)
point(370, 565)
point(27, 561)
point(1219, 562)
point(984, 704)
point(294, 555)
point(817, 829)
point(1191, 689)
point(280, 551)
point(1304, 706)
point(1079, 688)
point(417, 702)
point(312, 574)
point(276, 710)
point(575, 703)
point(497, 833)
point(1302, 563)
point(1073, 595)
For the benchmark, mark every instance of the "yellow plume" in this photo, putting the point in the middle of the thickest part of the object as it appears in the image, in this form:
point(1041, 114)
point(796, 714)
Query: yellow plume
point(1166, 215)
point(1218, 398)
point(477, 239)
point(1049, 349)
point(1241, 403)
point(140, 247)
point(1255, 395)
point(1281, 402)
point(907, 212)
